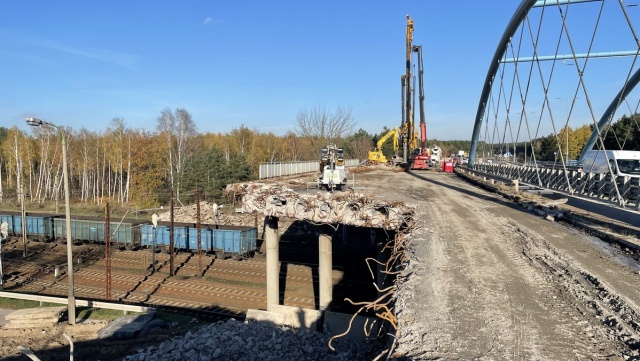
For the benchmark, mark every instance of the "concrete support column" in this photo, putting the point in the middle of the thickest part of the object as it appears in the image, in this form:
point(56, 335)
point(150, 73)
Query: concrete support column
point(273, 262)
point(325, 267)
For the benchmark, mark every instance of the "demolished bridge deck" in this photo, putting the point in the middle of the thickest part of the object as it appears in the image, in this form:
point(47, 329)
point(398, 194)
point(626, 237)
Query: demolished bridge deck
point(354, 209)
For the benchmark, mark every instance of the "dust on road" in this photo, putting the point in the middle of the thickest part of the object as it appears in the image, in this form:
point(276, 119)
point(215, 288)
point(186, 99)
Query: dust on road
point(490, 280)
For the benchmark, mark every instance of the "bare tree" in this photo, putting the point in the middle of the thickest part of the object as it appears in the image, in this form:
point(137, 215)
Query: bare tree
point(360, 148)
point(321, 125)
point(178, 129)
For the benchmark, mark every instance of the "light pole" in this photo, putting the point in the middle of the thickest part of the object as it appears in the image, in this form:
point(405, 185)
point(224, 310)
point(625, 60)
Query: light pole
point(35, 122)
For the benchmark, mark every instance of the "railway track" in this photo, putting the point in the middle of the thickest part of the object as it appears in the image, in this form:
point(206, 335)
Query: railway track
point(222, 287)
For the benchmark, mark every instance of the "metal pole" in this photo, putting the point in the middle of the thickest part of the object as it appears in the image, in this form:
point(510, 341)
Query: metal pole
point(153, 249)
point(72, 298)
point(24, 222)
point(199, 231)
point(107, 250)
point(171, 238)
point(1, 272)
point(57, 191)
point(154, 222)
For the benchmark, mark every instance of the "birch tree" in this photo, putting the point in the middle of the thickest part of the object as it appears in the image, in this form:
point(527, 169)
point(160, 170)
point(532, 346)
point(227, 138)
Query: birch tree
point(120, 153)
point(178, 130)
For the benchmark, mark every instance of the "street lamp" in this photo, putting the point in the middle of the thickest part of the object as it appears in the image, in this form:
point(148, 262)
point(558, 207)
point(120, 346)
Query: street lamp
point(35, 122)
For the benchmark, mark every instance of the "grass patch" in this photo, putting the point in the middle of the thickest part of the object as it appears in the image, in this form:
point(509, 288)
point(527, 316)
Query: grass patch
point(100, 313)
point(171, 317)
point(16, 304)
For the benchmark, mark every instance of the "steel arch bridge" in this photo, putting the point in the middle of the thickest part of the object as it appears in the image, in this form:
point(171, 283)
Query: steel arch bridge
point(560, 66)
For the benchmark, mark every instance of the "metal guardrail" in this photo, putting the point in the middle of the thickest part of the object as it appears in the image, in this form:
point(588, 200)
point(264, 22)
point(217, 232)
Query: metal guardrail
point(280, 169)
point(79, 302)
point(572, 181)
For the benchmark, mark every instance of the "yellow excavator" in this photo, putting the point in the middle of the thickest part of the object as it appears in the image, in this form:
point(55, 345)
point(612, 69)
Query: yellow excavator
point(377, 156)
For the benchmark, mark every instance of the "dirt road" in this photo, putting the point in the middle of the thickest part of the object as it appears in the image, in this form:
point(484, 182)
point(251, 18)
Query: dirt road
point(490, 280)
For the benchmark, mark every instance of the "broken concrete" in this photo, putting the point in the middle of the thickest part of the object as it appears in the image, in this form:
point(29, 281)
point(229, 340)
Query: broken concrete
point(354, 209)
point(34, 317)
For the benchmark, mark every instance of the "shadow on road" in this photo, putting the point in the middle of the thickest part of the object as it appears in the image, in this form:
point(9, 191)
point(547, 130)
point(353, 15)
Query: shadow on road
point(473, 192)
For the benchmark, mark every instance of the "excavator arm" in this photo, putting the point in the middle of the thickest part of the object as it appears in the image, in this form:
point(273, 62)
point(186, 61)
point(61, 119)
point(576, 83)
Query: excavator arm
point(376, 155)
point(393, 132)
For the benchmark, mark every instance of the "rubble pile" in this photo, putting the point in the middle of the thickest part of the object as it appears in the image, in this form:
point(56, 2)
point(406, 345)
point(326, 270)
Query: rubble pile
point(353, 209)
point(235, 340)
point(187, 214)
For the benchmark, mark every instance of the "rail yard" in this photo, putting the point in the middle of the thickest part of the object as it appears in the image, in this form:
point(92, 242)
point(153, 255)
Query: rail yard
point(205, 283)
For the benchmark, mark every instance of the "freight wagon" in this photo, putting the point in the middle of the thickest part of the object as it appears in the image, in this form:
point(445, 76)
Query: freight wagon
point(39, 226)
point(125, 233)
point(223, 241)
point(220, 240)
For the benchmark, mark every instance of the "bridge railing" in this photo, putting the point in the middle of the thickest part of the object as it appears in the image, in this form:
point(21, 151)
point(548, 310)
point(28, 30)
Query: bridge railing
point(281, 169)
point(576, 182)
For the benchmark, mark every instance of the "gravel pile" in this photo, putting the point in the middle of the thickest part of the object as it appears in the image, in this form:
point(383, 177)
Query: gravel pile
point(235, 340)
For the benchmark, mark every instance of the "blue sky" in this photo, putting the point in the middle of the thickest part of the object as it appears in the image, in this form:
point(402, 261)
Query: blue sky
point(257, 63)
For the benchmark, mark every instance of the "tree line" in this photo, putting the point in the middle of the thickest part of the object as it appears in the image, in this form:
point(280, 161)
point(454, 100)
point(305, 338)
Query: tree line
point(140, 168)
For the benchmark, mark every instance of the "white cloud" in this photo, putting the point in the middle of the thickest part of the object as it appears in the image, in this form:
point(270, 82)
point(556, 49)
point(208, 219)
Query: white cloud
point(210, 20)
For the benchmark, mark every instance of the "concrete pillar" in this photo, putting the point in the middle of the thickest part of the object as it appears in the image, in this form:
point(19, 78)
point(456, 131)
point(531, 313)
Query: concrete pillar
point(325, 267)
point(273, 262)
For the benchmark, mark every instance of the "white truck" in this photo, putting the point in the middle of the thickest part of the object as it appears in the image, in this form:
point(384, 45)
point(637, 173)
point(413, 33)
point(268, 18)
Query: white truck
point(436, 156)
point(621, 162)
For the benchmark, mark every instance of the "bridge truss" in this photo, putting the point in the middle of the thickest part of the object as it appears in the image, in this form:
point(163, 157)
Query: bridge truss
point(564, 71)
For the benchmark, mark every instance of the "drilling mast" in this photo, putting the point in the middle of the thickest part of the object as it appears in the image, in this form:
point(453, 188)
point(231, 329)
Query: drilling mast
point(407, 127)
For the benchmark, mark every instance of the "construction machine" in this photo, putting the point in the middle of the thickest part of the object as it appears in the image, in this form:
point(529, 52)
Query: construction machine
point(435, 156)
point(333, 173)
point(421, 157)
point(407, 128)
point(377, 155)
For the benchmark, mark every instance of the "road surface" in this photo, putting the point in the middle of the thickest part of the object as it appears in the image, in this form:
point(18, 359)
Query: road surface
point(490, 280)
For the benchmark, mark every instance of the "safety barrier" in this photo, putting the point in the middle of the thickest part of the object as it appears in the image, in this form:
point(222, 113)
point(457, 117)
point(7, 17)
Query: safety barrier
point(280, 169)
point(622, 191)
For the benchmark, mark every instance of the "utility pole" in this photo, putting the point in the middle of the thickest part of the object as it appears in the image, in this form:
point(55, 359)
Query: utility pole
point(55, 187)
point(24, 222)
point(4, 234)
point(199, 231)
point(107, 251)
point(171, 237)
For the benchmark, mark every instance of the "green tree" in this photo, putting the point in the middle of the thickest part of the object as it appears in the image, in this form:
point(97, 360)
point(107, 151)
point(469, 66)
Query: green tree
point(359, 144)
point(623, 134)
